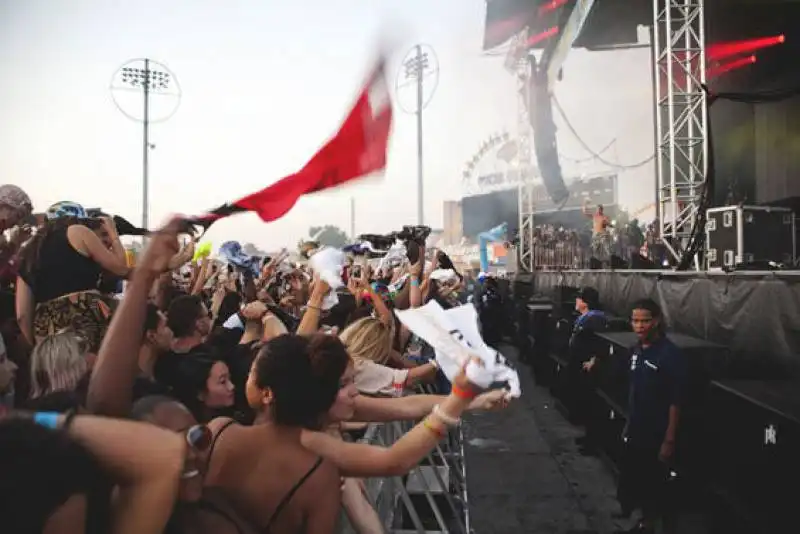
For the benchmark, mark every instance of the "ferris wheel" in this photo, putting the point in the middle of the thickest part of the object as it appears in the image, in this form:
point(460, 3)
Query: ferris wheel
point(494, 166)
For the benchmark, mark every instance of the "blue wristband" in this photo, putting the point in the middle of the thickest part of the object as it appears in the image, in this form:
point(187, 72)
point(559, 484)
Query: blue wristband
point(47, 419)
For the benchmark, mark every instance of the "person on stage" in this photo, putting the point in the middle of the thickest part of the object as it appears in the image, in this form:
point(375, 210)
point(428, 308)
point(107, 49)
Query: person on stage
point(601, 237)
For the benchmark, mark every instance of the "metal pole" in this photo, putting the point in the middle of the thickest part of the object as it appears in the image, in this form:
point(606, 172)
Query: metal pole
point(146, 144)
point(656, 110)
point(420, 198)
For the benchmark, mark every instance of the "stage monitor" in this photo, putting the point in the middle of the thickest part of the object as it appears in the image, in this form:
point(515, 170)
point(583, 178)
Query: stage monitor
point(481, 213)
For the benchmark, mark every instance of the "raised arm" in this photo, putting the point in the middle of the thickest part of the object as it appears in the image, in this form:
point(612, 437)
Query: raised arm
point(358, 460)
point(111, 385)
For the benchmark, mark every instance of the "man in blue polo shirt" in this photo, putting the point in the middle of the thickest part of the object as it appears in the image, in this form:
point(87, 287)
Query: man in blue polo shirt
point(583, 351)
point(658, 375)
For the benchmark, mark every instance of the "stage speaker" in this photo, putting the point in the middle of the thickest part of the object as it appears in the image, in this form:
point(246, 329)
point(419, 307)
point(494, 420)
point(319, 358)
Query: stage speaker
point(544, 138)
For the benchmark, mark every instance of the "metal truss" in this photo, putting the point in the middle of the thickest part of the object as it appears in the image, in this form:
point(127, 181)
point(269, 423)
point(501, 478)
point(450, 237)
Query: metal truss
point(519, 64)
point(679, 63)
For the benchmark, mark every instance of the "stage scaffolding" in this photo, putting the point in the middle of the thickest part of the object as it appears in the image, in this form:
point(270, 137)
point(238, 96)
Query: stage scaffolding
point(681, 123)
point(679, 63)
point(518, 62)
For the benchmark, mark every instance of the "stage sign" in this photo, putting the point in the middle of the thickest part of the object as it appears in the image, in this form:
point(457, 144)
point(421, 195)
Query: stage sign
point(597, 189)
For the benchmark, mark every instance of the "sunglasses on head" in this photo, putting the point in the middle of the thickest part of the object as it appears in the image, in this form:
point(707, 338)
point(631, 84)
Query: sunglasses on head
point(199, 437)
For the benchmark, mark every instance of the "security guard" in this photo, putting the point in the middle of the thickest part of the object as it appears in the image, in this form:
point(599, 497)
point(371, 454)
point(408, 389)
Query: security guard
point(658, 377)
point(583, 347)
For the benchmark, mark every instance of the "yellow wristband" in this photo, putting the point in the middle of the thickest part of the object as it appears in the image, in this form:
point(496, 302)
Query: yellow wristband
point(440, 433)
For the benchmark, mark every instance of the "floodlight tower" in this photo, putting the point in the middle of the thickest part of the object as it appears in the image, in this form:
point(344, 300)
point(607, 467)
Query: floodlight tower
point(419, 66)
point(150, 78)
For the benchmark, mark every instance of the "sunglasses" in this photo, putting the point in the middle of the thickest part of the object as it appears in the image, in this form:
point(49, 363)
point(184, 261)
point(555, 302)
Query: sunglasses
point(199, 437)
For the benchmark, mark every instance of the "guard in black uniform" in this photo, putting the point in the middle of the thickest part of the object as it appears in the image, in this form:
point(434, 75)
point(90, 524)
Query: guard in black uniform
point(583, 349)
point(658, 377)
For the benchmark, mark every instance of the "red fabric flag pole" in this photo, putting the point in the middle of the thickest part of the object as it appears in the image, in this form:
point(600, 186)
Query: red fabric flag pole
point(358, 149)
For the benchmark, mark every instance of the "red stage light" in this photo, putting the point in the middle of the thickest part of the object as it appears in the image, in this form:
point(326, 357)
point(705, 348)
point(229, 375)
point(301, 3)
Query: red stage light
point(539, 37)
point(552, 5)
point(719, 51)
point(718, 70)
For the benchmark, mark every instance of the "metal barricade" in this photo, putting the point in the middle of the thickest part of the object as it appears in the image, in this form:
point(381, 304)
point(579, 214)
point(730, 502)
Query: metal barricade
point(431, 498)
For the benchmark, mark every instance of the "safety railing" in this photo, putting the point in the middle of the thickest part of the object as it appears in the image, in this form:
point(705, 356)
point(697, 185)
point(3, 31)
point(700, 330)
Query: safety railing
point(561, 256)
point(431, 498)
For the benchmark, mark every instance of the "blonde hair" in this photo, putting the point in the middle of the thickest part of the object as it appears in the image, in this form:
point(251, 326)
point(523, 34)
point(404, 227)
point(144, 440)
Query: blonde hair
point(368, 339)
point(58, 363)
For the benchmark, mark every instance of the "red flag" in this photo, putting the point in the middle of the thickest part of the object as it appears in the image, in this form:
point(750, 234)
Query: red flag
point(358, 149)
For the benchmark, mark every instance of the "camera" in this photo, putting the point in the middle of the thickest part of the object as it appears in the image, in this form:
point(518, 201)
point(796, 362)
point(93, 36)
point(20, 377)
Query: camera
point(417, 234)
point(378, 242)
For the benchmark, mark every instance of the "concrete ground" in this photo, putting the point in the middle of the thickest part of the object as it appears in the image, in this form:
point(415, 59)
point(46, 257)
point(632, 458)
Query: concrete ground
point(526, 475)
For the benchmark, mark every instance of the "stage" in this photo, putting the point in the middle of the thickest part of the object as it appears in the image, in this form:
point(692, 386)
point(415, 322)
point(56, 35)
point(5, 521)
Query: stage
point(755, 314)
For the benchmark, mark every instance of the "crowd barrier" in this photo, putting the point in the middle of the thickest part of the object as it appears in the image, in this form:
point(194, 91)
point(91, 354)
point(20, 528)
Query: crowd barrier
point(431, 498)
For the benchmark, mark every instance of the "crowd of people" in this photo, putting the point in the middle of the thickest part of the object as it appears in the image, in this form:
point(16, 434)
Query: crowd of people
point(185, 394)
point(600, 243)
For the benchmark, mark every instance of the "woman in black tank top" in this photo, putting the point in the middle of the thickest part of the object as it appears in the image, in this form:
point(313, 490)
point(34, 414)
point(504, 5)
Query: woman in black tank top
point(59, 273)
point(263, 470)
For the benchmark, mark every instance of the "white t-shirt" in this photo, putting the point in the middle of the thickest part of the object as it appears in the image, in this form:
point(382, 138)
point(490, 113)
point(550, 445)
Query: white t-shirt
point(375, 379)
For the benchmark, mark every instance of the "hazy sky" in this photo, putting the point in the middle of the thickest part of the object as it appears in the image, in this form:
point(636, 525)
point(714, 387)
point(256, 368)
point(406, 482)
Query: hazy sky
point(264, 84)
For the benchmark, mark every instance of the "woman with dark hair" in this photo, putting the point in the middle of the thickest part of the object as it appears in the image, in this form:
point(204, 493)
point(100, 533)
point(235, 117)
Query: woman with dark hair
point(204, 385)
point(60, 269)
point(293, 383)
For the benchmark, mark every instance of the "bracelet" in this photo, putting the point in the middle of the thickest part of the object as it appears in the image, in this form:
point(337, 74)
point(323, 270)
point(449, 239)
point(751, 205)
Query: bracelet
point(462, 393)
point(312, 307)
point(437, 431)
point(47, 419)
point(449, 420)
point(415, 282)
point(435, 364)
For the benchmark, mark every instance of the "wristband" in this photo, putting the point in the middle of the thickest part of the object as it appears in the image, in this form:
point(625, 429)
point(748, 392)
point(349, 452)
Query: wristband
point(462, 393)
point(414, 282)
point(47, 419)
point(437, 431)
point(449, 420)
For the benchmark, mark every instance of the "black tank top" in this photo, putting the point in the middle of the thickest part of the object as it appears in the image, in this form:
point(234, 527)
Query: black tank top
point(286, 498)
point(61, 270)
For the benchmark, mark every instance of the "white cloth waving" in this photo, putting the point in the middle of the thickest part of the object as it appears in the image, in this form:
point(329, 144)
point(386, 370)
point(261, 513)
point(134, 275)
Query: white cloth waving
point(455, 337)
point(328, 263)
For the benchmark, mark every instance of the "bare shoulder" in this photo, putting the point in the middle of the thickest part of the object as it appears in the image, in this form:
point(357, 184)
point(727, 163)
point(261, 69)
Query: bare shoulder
point(216, 425)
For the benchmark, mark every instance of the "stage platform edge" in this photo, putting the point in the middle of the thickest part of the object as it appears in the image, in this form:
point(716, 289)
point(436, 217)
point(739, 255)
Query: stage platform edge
point(756, 314)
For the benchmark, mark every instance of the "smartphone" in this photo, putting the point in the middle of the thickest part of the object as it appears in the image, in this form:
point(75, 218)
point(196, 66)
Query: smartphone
point(412, 251)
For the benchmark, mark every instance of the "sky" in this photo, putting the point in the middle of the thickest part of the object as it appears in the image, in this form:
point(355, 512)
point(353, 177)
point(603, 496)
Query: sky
point(263, 85)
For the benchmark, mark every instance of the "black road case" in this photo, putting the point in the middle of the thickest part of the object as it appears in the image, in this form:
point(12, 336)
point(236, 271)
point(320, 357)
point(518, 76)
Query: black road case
point(749, 234)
